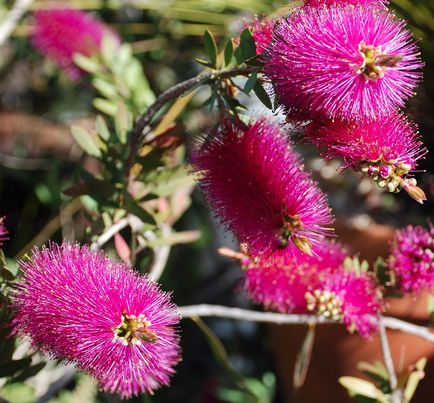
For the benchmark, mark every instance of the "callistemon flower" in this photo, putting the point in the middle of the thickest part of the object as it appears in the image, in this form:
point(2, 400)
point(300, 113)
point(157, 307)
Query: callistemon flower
point(61, 33)
point(262, 32)
point(254, 181)
point(345, 62)
point(386, 149)
point(348, 297)
point(318, 3)
point(111, 322)
point(3, 231)
point(280, 283)
point(411, 263)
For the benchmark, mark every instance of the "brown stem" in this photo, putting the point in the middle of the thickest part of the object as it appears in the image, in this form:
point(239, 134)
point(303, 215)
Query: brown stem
point(174, 92)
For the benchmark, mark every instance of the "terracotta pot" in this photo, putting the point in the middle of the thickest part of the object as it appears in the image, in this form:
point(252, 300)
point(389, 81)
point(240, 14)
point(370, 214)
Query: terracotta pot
point(336, 353)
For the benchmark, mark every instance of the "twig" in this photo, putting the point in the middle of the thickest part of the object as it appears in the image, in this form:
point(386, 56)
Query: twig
point(388, 362)
point(420, 331)
point(248, 315)
point(161, 255)
point(174, 92)
point(109, 233)
point(12, 18)
point(282, 319)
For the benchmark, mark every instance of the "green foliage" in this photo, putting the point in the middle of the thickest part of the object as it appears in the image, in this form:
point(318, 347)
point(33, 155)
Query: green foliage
point(258, 391)
point(210, 48)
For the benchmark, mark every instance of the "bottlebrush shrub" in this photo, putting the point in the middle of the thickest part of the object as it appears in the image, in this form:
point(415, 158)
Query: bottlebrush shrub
point(60, 33)
point(253, 179)
point(411, 263)
point(342, 63)
point(111, 322)
point(281, 283)
point(387, 149)
point(350, 297)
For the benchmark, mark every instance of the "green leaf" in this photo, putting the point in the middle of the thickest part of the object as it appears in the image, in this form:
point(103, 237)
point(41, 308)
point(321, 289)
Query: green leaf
point(86, 141)
point(109, 49)
point(107, 107)
point(414, 379)
point(357, 386)
point(86, 63)
point(210, 48)
point(303, 358)
point(262, 95)
point(378, 372)
point(123, 122)
point(247, 48)
point(250, 83)
point(101, 128)
point(105, 88)
point(138, 211)
point(18, 392)
point(167, 181)
point(229, 52)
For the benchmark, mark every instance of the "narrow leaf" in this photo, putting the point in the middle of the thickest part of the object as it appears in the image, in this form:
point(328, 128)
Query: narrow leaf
point(85, 63)
point(229, 52)
point(250, 83)
point(377, 371)
point(247, 47)
point(104, 106)
point(262, 95)
point(210, 48)
point(86, 141)
point(138, 211)
point(101, 128)
point(361, 387)
point(414, 379)
point(303, 358)
point(123, 122)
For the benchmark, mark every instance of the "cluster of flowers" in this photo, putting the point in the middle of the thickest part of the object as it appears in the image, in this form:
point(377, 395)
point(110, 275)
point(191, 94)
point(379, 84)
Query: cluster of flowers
point(343, 68)
point(116, 325)
point(255, 182)
point(411, 263)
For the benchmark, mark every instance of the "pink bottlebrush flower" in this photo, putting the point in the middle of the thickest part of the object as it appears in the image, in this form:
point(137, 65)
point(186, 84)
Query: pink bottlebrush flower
point(281, 283)
point(386, 149)
point(60, 33)
point(262, 32)
point(111, 322)
point(350, 297)
point(254, 181)
point(412, 259)
point(319, 3)
point(342, 63)
point(3, 231)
